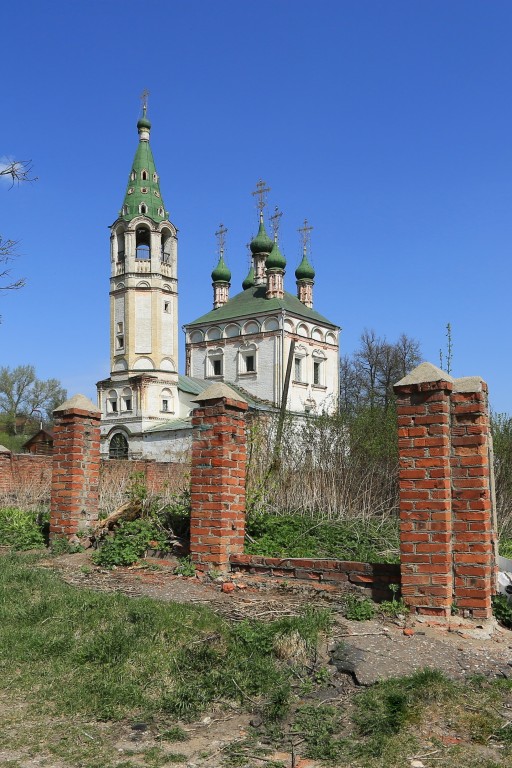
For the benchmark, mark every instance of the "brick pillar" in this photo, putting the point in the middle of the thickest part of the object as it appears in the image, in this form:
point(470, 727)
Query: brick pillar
point(217, 524)
point(447, 531)
point(75, 467)
point(474, 533)
point(6, 479)
point(425, 496)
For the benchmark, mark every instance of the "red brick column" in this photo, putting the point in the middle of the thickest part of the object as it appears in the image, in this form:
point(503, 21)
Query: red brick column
point(425, 495)
point(75, 467)
point(447, 531)
point(6, 479)
point(474, 537)
point(217, 479)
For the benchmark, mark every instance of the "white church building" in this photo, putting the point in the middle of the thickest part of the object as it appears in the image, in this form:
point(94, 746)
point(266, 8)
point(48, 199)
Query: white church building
point(247, 341)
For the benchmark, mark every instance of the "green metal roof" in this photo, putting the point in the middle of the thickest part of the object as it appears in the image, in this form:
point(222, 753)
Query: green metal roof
point(173, 425)
point(253, 301)
point(134, 195)
point(195, 386)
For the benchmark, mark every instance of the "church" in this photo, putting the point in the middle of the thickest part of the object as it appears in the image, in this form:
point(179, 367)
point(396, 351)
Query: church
point(250, 340)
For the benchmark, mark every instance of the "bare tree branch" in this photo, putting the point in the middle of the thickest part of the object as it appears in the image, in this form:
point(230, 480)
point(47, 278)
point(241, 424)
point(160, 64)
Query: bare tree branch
point(18, 170)
point(7, 254)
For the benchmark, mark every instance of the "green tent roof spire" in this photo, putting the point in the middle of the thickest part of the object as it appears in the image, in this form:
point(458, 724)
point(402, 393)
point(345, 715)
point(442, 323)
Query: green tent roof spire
point(142, 195)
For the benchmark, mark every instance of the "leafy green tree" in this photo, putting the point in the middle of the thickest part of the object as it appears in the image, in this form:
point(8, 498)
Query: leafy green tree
point(22, 393)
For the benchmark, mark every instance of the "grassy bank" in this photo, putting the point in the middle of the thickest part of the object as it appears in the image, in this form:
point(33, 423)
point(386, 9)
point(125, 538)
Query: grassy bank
point(78, 669)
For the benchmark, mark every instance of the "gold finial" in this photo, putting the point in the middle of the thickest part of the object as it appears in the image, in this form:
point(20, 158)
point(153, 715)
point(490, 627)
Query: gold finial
point(144, 99)
point(261, 192)
point(305, 233)
point(221, 238)
point(276, 221)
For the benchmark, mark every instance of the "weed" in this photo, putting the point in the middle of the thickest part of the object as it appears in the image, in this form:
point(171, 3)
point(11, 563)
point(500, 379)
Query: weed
point(20, 529)
point(299, 535)
point(318, 725)
point(394, 607)
point(86, 570)
point(176, 733)
point(185, 567)
point(358, 608)
point(502, 610)
point(64, 547)
point(382, 711)
point(129, 543)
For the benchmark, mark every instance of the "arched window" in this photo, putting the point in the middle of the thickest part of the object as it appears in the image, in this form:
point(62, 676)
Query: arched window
point(143, 209)
point(167, 401)
point(142, 241)
point(247, 358)
point(112, 405)
point(120, 242)
point(144, 175)
point(127, 399)
point(319, 363)
point(118, 447)
point(166, 244)
point(214, 363)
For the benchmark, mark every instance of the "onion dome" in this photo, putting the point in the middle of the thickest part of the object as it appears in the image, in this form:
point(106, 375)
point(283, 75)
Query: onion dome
point(144, 123)
point(249, 280)
point(275, 259)
point(221, 273)
point(262, 243)
point(305, 271)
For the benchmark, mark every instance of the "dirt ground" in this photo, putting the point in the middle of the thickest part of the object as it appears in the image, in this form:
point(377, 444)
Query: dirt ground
point(358, 653)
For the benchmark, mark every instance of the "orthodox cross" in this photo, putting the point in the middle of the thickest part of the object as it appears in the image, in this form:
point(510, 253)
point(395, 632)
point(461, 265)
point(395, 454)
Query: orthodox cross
point(276, 220)
point(221, 238)
point(144, 98)
point(305, 235)
point(261, 192)
point(249, 254)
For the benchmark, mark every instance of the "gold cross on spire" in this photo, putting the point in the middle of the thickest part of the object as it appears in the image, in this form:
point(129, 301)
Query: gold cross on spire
point(221, 238)
point(144, 98)
point(276, 221)
point(261, 192)
point(305, 233)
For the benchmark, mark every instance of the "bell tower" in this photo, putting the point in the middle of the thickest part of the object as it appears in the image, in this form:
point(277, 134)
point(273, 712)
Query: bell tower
point(142, 388)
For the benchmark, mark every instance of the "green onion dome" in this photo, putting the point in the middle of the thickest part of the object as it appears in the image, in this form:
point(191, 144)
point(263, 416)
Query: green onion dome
point(275, 259)
point(221, 273)
point(144, 123)
point(305, 271)
point(262, 243)
point(249, 280)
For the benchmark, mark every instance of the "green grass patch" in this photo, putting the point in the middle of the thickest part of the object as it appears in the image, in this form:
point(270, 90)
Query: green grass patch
point(366, 540)
point(111, 657)
point(20, 529)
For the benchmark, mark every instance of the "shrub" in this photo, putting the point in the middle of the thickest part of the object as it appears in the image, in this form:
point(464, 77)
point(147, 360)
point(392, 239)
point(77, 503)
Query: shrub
point(129, 543)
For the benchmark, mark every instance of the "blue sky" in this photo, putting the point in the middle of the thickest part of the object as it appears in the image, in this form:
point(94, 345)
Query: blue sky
point(387, 123)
